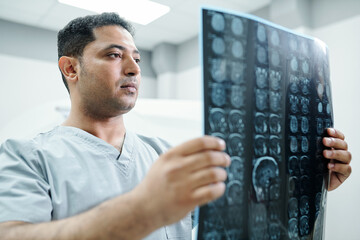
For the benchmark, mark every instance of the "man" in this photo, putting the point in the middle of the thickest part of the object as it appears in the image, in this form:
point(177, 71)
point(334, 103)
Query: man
point(91, 178)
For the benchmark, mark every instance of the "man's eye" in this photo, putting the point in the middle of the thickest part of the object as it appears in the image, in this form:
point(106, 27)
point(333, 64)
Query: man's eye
point(137, 60)
point(114, 55)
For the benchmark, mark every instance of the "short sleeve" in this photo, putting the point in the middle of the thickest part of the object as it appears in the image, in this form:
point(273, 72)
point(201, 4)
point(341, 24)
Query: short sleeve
point(24, 191)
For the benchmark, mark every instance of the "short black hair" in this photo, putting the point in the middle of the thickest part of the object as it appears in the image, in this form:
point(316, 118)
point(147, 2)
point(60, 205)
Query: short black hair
point(73, 38)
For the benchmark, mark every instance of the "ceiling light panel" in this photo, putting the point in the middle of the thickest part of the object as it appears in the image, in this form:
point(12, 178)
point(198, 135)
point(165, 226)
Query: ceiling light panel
point(138, 11)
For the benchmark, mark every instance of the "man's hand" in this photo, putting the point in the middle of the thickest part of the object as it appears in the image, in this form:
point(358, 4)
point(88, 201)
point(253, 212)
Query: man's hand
point(339, 156)
point(186, 176)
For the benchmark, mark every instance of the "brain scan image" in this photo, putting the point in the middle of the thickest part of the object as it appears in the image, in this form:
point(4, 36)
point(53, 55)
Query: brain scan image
point(275, 124)
point(261, 125)
point(293, 44)
point(237, 49)
point(320, 107)
point(275, 148)
point(237, 96)
point(275, 58)
point(236, 169)
point(274, 191)
point(235, 144)
point(304, 205)
point(275, 101)
point(237, 72)
point(320, 90)
point(305, 67)
point(304, 101)
point(235, 193)
point(304, 165)
point(274, 231)
point(319, 126)
point(275, 80)
point(327, 123)
point(261, 55)
point(293, 166)
point(261, 148)
point(218, 69)
point(275, 38)
point(294, 84)
point(266, 93)
point(261, 77)
point(294, 101)
point(328, 108)
point(236, 121)
point(305, 85)
point(293, 124)
point(265, 173)
point(304, 48)
point(293, 208)
point(237, 26)
point(258, 226)
point(293, 230)
point(218, 121)
point(218, 45)
point(218, 22)
point(304, 184)
point(293, 186)
point(304, 225)
point(261, 33)
point(294, 64)
point(304, 125)
point(262, 99)
point(218, 95)
point(304, 144)
point(273, 211)
point(293, 144)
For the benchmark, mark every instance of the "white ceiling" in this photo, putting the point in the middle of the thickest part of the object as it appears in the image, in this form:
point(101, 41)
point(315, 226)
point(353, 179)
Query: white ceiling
point(179, 25)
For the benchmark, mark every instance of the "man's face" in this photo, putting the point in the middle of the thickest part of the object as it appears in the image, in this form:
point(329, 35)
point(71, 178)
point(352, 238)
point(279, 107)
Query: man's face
point(109, 75)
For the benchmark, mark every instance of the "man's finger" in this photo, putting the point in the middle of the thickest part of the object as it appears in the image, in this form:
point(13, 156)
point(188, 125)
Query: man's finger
point(335, 143)
point(198, 145)
point(205, 159)
point(339, 155)
point(335, 133)
point(343, 169)
point(207, 176)
point(208, 193)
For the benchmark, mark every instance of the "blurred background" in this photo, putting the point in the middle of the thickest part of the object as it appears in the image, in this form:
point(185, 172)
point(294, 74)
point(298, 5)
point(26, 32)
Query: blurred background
point(33, 98)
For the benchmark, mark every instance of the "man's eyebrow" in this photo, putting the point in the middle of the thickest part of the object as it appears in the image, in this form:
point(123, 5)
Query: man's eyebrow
point(120, 48)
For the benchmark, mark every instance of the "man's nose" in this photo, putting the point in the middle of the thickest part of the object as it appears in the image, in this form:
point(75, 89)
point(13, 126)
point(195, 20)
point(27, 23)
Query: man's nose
point(131, 67)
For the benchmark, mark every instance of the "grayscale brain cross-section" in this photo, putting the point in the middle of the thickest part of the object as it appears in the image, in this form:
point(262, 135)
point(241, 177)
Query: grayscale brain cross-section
point(267, 94)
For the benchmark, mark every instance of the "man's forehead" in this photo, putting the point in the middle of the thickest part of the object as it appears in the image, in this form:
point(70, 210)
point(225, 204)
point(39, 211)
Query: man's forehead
point(114, 35)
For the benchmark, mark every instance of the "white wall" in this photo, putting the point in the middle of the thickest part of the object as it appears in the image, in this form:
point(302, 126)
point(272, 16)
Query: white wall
point(343, 38)
point(30, 90)
point(25, 84)
point(188, 84)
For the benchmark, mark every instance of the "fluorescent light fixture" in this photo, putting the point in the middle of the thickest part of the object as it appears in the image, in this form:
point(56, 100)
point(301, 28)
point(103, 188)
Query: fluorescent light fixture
point(138, 11)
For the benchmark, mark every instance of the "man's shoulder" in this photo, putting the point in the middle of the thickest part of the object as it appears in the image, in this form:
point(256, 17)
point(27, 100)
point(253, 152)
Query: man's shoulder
point(32, 143)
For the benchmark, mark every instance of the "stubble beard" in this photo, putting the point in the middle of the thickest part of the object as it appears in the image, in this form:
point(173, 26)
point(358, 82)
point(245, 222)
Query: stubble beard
point(97, 103)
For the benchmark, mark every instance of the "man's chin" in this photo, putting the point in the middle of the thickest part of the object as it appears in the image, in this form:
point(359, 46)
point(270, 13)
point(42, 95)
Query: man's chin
point(125, 108)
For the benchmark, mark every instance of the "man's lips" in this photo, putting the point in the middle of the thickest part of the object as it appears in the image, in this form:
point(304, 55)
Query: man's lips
point(132, 87)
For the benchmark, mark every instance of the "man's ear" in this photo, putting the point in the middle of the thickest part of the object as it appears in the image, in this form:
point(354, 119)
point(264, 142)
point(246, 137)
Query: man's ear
point(68, 67)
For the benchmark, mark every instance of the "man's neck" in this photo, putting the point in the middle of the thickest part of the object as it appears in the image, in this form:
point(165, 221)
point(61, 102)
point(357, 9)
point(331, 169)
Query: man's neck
point(111, 130)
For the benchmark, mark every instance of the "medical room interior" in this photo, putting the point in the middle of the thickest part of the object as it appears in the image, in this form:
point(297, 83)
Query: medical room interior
point(33, 98)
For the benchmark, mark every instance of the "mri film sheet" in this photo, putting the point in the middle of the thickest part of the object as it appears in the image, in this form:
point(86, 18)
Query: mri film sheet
point(267, 94)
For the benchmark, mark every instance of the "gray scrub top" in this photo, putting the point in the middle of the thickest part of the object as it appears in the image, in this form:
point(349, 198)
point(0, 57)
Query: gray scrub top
point(67, 171)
